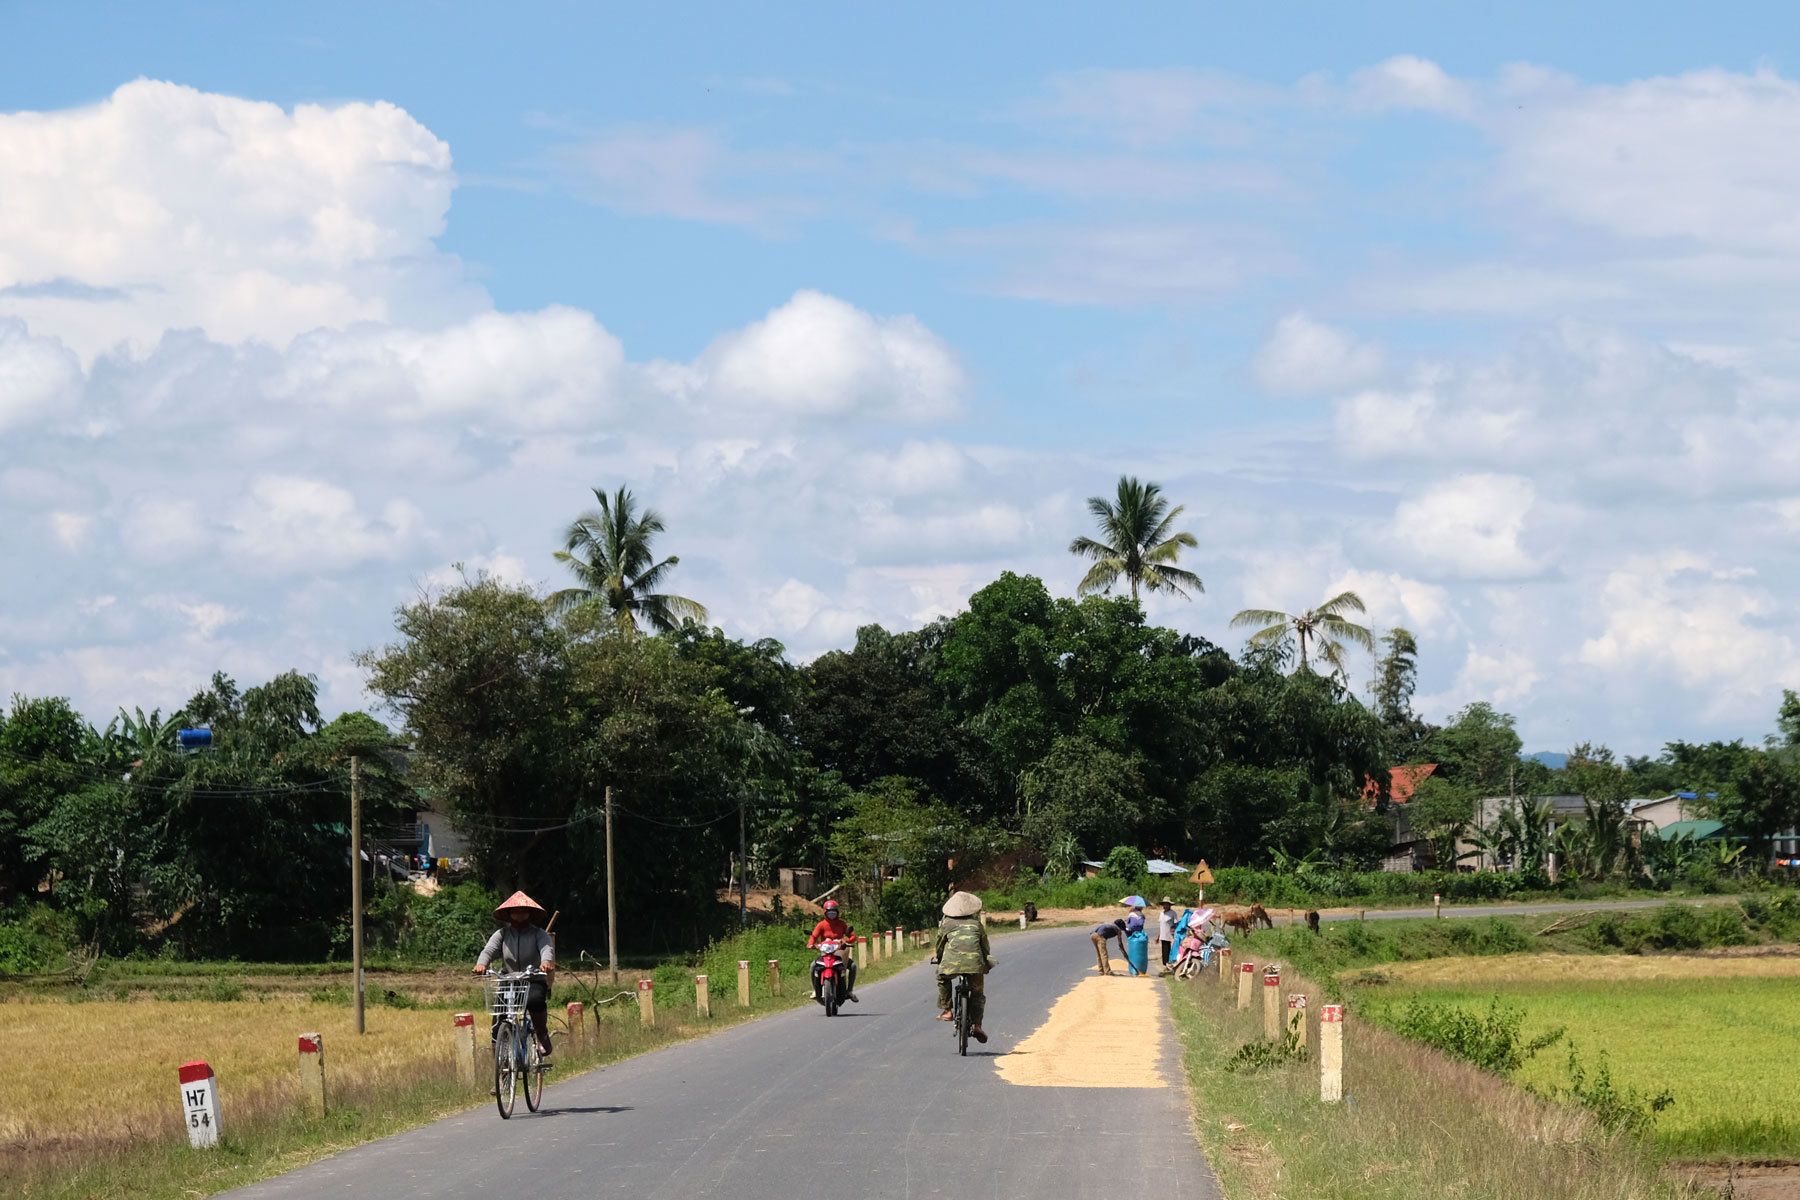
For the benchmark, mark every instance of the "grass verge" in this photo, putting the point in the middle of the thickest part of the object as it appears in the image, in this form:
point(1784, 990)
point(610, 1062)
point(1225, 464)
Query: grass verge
point(85, 1149)
point(1413, 1124)
point(1719, 1043)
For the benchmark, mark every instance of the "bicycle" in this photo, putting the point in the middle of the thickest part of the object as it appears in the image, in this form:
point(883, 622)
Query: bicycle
point(515, 1041)
point(959, 1011)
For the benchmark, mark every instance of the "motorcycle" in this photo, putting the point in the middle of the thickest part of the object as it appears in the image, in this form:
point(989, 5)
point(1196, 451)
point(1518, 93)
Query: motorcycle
point(832, 974)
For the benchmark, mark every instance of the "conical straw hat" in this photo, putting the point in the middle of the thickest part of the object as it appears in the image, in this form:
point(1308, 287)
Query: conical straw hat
point(519, 900)
point(962, 904)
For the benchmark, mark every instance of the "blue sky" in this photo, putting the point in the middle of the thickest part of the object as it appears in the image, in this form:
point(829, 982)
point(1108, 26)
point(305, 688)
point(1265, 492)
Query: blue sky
point(1487, 315)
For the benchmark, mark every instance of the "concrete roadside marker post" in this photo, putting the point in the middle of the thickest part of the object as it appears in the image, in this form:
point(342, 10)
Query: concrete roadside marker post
point(1331, 1053)
point(1437, 905)
point(1021, 920)
point(1225, 964)
point(743, 983)
point(702, 998)
point(774, 977)
point(312, 1073)
point(577, 1024)
point(862, 951)
point(1296, 1021)
point(899, 941)
point(1246, 979)
point(1272, 1002)
point(463, 1028)
point(646, 1002)
point(199, 1104)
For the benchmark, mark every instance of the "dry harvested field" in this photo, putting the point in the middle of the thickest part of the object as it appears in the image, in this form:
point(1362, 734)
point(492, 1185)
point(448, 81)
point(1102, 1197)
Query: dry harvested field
point(115, 1061)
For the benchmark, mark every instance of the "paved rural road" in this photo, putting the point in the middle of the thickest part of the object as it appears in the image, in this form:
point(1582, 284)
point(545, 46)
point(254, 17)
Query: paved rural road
point(875, 1103)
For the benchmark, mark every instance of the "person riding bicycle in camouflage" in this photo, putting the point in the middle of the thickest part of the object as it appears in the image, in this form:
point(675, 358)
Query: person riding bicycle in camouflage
point(961, 948)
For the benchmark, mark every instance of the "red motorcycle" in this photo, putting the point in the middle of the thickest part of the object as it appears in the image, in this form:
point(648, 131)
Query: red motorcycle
point(831, 977)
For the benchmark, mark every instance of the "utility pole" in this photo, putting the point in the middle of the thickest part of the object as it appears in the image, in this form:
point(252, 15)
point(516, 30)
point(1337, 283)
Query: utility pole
point(356, 899)
point(612, 919)
point(743, 870)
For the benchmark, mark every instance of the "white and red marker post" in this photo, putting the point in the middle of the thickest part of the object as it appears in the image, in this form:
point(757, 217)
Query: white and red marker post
point(199, 1104)
point(1331, 1053)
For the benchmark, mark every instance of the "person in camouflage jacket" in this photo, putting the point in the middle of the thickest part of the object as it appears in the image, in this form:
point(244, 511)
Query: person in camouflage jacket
point(961, 948)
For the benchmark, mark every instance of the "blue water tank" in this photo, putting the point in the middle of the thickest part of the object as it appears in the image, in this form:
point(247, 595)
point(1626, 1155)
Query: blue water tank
point(195, 739)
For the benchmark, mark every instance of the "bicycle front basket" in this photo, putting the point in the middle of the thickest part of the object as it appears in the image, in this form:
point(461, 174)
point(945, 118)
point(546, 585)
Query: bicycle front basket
point(506, 996)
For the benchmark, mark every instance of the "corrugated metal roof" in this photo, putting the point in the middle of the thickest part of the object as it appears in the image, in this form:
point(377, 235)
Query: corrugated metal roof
point(1698, 830)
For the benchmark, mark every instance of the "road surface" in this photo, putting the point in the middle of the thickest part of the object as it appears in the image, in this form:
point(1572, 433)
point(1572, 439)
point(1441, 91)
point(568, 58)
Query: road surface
point(874, 1103)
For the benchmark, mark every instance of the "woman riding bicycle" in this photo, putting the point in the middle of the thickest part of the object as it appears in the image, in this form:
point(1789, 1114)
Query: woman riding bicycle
point(961, 948)
point(521, 944)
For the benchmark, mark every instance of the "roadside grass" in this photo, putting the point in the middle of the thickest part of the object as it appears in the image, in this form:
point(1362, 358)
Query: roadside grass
point(1720, 1035)
point(105, 1123)
point(1345, 945)
point(1413, 1125)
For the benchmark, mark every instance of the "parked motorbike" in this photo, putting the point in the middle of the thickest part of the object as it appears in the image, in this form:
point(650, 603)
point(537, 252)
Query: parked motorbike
point(833, 976)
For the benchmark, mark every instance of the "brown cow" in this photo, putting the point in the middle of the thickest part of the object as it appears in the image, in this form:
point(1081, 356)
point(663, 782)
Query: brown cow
point(1245, 919)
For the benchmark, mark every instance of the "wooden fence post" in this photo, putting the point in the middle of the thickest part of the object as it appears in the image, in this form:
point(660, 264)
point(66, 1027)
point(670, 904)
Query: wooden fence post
point(1271, 1002)
point(702, 998)
point(646, 1002)
point(1246, 979)
point(743, 983)
point(1331, 1053)
point(464, 1030)
point(312, 1073)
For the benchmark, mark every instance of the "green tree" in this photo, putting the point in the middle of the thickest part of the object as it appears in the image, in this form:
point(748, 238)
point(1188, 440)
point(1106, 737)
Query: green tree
point(607, 549)
point(1440, 812)
point(1326, 625)
point(520, 722)
point(1764, 801)
point(1085, 791)
point(1136, 543)
point(1478, 749)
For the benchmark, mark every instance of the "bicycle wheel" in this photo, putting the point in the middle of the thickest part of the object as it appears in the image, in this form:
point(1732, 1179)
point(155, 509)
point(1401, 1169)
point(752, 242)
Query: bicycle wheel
point(961, 1007)
point(533, 1071)
point(506, 1074)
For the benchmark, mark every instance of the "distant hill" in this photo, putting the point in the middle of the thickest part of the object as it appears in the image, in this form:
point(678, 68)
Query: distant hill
point(1549, 758)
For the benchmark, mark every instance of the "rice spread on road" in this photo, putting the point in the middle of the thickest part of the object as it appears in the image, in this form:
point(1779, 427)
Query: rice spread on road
point(1107, 1031)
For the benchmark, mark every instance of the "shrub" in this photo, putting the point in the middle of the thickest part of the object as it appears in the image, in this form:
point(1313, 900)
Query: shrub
point(1493, 1043)
point(1618, 1110)
point(34, 938)
point(905, 902)
point(1126, 862)
point(222, 988)
point(1265, 1054)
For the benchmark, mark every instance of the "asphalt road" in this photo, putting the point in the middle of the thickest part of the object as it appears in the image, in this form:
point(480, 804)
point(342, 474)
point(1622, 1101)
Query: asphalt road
point(875, 1103)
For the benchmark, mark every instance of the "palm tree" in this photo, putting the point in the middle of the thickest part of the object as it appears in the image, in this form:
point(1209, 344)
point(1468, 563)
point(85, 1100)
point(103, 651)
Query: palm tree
point(1137, 543)
point(1325, 624)
point(608, 549)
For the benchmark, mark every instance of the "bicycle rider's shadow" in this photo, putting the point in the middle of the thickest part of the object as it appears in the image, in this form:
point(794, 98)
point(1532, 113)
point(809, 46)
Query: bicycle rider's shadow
point(574, 1112)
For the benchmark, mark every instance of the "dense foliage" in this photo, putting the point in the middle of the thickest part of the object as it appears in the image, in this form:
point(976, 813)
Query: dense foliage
point(1004, 745)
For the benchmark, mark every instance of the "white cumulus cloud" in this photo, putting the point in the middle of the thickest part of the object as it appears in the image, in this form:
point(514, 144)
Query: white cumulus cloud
point(1304, 357)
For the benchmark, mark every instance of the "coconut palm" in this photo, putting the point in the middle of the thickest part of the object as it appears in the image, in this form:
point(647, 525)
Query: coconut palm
point(1136, 543)
point(1326, 625)
point(608, 550)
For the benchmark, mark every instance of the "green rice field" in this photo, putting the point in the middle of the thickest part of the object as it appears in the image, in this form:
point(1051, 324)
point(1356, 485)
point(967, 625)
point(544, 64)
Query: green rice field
point(1722, 1034)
